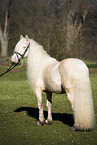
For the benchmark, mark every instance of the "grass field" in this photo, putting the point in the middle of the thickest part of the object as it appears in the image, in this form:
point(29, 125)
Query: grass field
point(19, 114)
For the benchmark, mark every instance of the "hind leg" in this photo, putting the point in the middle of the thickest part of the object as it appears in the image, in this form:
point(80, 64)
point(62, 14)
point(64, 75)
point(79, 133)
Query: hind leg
point(70, 95)
point(49, 105)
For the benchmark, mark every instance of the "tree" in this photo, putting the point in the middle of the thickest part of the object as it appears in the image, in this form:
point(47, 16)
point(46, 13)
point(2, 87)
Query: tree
point(4, 30)
point(89, 33)
point(76, 15)
point(60, 26)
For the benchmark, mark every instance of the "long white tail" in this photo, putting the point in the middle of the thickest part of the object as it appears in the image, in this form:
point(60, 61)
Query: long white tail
point(83, 105)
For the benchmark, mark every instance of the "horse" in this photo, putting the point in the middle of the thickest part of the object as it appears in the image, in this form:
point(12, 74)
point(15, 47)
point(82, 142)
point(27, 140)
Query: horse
point(70, 76)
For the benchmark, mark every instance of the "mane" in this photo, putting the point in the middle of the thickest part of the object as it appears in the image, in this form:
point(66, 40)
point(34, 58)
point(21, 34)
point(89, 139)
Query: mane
point(37, 60)
point(38, 47)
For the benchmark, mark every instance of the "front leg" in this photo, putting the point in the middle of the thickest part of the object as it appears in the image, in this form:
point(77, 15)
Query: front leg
point(40, 106)
point(49, 105)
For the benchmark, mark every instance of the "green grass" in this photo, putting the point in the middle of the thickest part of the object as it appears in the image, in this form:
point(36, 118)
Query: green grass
point(19, 114)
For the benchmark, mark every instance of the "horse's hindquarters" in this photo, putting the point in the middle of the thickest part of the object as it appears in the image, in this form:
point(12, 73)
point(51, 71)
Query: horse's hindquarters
point(75, 79)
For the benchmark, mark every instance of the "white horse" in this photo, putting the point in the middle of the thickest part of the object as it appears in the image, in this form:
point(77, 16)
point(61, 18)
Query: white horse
point(47, 74)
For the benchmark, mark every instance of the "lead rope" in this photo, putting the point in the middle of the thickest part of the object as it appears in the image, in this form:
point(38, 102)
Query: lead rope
point(13, 65)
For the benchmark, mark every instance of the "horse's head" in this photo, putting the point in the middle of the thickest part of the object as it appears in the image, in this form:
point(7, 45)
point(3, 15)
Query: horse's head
point(21, 49)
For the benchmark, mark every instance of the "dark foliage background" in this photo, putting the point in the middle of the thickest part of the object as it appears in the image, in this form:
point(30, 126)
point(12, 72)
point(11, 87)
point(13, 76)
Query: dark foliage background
point(61, 26)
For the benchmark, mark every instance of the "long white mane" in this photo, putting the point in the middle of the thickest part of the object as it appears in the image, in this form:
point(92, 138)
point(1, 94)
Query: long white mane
point(36, 65)
point(37, 47)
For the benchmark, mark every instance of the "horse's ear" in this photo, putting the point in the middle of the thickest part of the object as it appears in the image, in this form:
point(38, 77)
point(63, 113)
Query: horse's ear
point(27, 38)
point(21, 36)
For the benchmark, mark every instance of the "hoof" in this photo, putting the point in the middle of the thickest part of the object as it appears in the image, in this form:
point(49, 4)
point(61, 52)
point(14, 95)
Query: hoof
point(39, 123)
point(48, 122)
point(74, 128)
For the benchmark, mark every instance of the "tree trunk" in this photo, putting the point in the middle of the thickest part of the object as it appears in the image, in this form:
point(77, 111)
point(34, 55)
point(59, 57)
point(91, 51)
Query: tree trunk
point(4, 35)
point(4, 44)
point(74, 25)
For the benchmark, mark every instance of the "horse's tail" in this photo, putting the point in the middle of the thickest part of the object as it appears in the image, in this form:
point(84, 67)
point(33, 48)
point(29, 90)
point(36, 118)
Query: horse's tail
point(83, 105)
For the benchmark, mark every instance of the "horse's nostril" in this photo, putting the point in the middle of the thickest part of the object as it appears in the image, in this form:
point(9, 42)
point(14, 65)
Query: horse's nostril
point(14, 59)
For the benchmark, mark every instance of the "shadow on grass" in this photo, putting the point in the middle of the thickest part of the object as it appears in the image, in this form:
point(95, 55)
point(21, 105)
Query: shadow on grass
point(34, 112)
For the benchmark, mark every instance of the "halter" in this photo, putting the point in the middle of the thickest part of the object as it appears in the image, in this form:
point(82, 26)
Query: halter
point(22, 55)
point(13, 65)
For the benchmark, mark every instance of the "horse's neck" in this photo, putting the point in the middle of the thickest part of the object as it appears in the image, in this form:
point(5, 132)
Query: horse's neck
point(37, 54)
